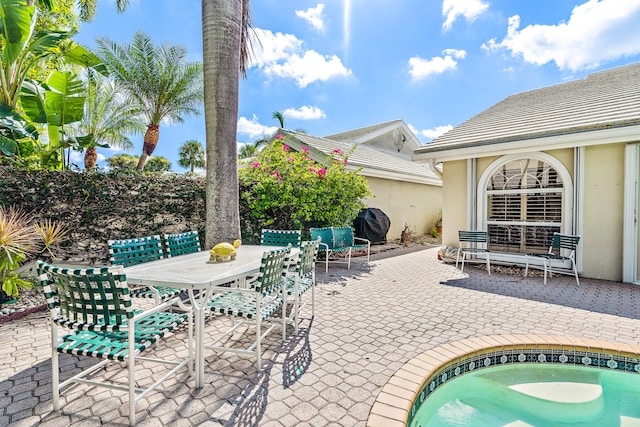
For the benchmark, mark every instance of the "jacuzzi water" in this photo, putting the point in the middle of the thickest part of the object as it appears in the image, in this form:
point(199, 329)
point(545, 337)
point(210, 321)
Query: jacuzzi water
point(534, 395)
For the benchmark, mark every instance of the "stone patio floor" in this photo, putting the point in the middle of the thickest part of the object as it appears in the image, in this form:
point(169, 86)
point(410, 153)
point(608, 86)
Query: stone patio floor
point(368, 322)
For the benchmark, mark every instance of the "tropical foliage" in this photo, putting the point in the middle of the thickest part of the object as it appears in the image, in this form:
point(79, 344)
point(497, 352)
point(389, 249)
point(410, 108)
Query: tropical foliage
point(192, 155)
point(109, 118)
point(287, 189)
point(20, 236)
point(157, 79)
point(127, 162)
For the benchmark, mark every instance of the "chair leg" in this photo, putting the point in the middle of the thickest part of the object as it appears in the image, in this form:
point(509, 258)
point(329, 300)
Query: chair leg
point(526, 268)
point(458, 257)
point(575, 272)
point(131, 362)
point(55, 368)
point(463, 257)
point(545, 272)
point(349, 259)
point(284, 315)
point(488, 265)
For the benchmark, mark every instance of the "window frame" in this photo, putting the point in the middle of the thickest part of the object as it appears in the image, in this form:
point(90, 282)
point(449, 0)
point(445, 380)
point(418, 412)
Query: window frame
point(566, 223)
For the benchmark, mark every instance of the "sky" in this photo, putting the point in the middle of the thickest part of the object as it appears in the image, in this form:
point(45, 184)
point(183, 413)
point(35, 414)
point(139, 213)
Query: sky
point(332, 66)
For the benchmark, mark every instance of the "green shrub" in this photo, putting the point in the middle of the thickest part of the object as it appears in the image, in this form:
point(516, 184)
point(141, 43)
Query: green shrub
point(285, 189)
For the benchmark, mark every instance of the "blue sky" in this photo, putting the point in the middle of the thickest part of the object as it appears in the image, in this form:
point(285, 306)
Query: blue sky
point(336, 65)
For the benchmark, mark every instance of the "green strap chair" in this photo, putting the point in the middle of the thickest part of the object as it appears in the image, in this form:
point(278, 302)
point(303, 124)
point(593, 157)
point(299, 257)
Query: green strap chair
point(338, 243)
point(255, 304)
point(270, 237)
point(303, 279)
point(473, 243)
point(95, 306)
point(561, 251)
point(182, 243)
point(128, 252)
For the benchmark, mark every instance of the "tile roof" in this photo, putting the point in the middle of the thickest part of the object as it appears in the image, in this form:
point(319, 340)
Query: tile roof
point(355, 134)
point(368, 157)
point(602, 100)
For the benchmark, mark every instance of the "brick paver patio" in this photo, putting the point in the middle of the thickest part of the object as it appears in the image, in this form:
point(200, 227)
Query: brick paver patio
point(369, 321)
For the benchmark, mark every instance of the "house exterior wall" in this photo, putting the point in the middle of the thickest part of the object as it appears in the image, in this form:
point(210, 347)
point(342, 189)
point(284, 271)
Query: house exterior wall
point(418, 205)
point(454, 201)
point(602, 205)
point(603, 211)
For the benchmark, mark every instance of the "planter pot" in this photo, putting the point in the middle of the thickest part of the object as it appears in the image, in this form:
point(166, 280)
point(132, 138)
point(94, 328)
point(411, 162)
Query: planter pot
point(6, 299)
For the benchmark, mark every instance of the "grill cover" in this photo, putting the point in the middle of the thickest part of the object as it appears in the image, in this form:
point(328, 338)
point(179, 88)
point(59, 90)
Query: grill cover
point(372, 224)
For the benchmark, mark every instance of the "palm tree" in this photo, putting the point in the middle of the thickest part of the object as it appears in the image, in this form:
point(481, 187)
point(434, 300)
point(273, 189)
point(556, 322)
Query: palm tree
point(109, 118)
point(87, 8)
point(226, 45)
point(278, 116)
point(156, 78)
point(247, 151)
point(191, 155)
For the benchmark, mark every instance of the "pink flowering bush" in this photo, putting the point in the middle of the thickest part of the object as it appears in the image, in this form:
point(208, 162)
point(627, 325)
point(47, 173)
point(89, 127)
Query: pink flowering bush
point(284, 188)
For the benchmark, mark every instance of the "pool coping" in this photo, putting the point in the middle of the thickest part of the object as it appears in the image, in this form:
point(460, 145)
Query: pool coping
point(393, 406)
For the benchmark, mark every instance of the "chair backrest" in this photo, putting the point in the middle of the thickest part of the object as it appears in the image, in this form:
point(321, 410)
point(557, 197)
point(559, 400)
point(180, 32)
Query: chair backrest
point(325, 234)
point(472, 236)
point(342, 237)
point(280, 237)
point(127, 252)
point(564, 241)
point(182, 243)
point(307, 258)
point(93, 299)
point(273, 270)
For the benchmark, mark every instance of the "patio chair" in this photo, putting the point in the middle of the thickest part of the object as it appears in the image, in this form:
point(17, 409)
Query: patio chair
point(303, 279)
point(181, 243)
point(562, 250)
point(338, 241)
point(473, 243)
point(255, 304)
point(128, 252)
point(95, 305)
point(280, 237)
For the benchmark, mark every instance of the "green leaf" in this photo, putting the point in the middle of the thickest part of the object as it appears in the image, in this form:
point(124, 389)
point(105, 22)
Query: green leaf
point(64, 103)
point(14, 127)
point(8, 147)
point(32, 101)
point(79, 55)
point(16, 25)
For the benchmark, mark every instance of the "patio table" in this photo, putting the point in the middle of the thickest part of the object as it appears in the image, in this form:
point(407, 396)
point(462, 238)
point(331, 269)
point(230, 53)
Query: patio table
point(194, 272)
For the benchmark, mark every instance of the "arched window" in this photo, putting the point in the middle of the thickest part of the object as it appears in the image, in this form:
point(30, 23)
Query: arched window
point(523, 201)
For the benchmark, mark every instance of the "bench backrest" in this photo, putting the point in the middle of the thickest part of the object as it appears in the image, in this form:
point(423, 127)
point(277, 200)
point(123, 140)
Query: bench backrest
point(472, 236)
point(325, 234)
point(342, 237)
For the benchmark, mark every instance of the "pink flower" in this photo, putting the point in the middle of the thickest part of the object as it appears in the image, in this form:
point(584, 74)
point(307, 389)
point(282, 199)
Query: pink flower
point(276, 175)
point(255, 165)
point(336, 151)
point(290, 159)
point(345, 162)
point(322, 172)
point(279, 136)
point(312, 169)
point(285, 147)
point(305, 150)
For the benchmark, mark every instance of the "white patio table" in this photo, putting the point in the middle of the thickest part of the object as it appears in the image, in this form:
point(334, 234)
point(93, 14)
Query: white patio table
point(194, 272)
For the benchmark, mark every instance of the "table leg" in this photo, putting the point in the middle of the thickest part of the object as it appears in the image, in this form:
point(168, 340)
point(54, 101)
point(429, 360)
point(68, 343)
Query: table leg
point(199, 305)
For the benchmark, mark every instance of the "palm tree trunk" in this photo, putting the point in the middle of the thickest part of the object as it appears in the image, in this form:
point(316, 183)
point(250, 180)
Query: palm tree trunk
point(151, 137)
point(90, 158)
point(221, 36)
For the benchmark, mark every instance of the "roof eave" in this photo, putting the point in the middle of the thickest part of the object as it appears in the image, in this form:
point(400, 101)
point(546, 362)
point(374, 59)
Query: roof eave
point(523, 144)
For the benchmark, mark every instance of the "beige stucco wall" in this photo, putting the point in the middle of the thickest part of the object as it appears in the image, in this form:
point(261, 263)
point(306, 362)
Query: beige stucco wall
point(454, 201)
point(603, 211)
point(418, 205)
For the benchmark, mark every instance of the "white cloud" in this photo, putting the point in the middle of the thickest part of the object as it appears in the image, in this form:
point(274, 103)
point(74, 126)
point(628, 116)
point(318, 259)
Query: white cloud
point(313, 15)
point(469, 9)
point(431, 133)
point(282, 55)
point(309, 68)
point(421, 68)
point(306, 112)
point(253, 129)
point(596, 32)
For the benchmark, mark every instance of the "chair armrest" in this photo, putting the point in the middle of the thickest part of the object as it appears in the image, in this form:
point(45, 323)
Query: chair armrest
point(368, 242)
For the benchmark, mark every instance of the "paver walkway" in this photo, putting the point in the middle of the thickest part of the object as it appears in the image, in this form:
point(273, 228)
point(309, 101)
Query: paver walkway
point(369, 321)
